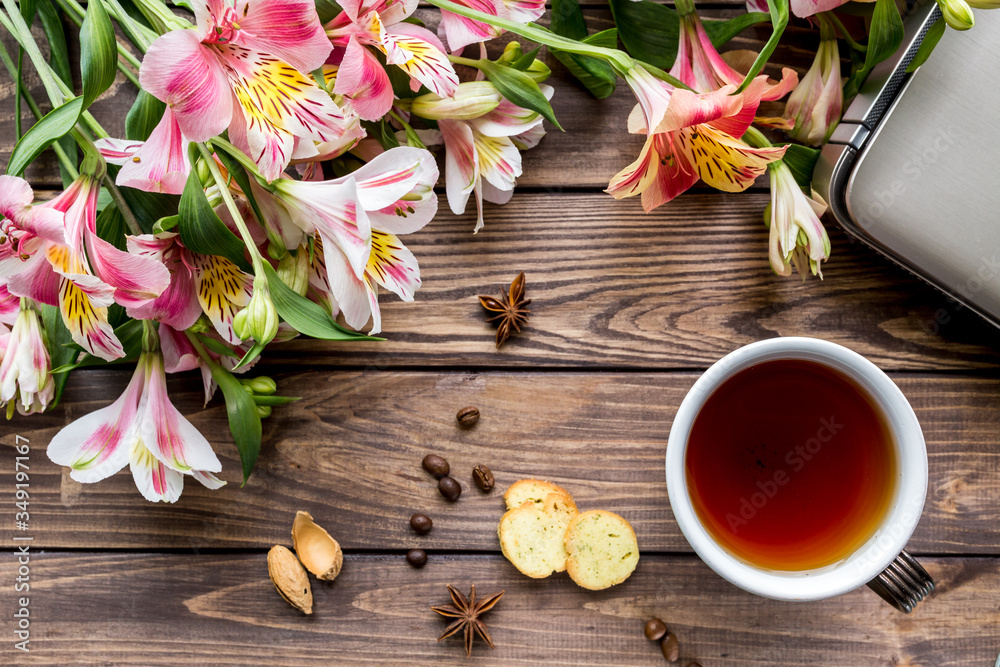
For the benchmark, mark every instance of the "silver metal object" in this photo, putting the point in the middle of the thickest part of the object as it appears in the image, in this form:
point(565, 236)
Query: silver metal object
point(903, 584)
point(912, 169)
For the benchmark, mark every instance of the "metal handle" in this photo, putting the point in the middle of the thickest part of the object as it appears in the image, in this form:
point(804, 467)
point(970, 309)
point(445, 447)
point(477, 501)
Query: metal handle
point(903, 584)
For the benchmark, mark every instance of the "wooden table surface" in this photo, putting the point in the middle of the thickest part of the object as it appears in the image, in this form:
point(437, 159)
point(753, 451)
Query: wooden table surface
point(628, 310)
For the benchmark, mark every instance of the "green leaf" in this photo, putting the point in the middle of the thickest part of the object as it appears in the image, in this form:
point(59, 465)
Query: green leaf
point(721, 32)
point(275, 400)
point(595, 74)
point(244, 422)
point(305, 316)
point(931, 38)
point(884, 37)
point(143, 117)
point(56, 337)
point(327, 10)
point(524, 62)
point(648, 30)
point(519, 88)
point(58, 50)
point(59, 59)
point(251, 354)
point(239, 174)
point(165, 224)
point(52, 126)
point(801, 160)
point(566, 19)
point(218, 347)
point(98, 52)
point(149, 207)
point(779, 21)
point(111, 226)
point(201, 229)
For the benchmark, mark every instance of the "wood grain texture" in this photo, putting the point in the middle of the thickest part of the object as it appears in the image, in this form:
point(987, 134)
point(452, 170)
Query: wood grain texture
point(678, 288)
point(146, 609)
point(349, 453)
point(565, 160)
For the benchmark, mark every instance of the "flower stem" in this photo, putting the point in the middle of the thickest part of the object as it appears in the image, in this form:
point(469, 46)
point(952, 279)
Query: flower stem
point(684, 7)
point(539, 35)
point(63, 158)
point(14, 23)
point(237, 155)
point(135, 30)
point(756, 138)
point(840, 27)
point(227, 198)
point(76, 14)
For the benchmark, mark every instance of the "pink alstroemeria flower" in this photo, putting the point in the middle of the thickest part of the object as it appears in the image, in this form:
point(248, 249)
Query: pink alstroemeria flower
point(199, 284)
point(797, 237)
point(10, 305)
point(817, 102)
point(356, 219)
point(483, 155)
point(159, 164)
point(144, 430)
point(459, 31)
point(415, 50)
point(25, 379)
point(242, 69)
point(699, 66)
point(53, 255)
point(689, 136)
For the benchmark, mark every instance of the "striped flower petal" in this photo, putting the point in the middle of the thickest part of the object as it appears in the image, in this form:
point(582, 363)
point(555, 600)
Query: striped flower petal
point(155, 481)
point(188, 76)
point(459, 31)
point(425, 60)
point(461, 163)
point(222, 291)
point(393, 266)
point(166, 433)
point(98, 444)
point(288, 29)
point(721, 161)
point(363, 80)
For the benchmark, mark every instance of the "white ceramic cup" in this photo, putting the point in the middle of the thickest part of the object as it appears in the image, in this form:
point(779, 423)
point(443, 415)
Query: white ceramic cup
point(880, 562)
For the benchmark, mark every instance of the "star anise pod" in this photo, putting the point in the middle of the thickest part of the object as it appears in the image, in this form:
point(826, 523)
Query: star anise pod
point(511, 308)
point(467, 612)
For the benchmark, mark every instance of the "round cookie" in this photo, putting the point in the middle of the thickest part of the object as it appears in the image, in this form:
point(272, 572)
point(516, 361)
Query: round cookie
point(533, 490)
point(601, 549)
point(532, 537)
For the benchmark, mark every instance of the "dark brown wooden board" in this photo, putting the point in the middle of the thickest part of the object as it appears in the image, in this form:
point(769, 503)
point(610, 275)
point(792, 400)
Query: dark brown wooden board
point(149, 609)
point(349, 452)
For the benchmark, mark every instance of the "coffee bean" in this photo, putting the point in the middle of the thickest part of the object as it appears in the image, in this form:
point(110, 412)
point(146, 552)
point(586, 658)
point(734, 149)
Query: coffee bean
point(655, 629)
point(483, 477)
point(436, 465)
point(467, 417)
point(421, 524)
point(671, 648)
point(416, 557)
point(450, 488)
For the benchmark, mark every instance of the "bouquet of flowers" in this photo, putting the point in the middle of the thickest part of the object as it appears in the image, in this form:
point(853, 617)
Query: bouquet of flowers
point(278, 151)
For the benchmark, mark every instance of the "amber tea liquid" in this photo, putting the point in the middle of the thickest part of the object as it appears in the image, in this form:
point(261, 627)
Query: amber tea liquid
point(791, 465)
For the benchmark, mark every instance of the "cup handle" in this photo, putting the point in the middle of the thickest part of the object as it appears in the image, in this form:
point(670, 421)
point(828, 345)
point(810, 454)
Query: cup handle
point(903, 584)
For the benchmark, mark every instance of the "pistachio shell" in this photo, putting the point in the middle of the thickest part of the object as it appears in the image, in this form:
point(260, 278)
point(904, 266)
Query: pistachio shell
point(319, 552)
point(289, 578)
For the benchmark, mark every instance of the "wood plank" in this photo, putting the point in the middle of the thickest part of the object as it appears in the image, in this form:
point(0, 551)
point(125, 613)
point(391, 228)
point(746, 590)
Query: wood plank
point(581, 161)
point(678, 288)
point(675, 289)
point(115, 608)
point(349, 452)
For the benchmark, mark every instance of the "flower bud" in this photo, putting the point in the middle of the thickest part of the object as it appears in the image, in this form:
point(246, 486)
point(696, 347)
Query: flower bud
point(538, 71)
point(264, 411)
point(957, 14)
point(472, 99)
point(511, 52)
point(261, 386)
point(259, 320)
point(294, 271)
